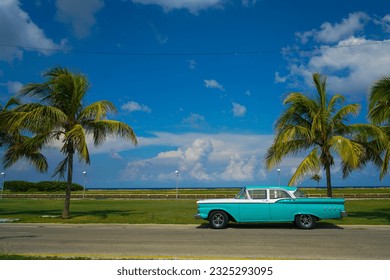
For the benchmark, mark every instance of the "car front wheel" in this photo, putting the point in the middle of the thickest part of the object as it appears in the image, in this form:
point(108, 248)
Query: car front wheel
point(304, 221)
point(218, 220)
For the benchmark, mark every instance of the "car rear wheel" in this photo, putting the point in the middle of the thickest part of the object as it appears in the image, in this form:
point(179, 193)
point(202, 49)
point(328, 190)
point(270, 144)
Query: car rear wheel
point(305, 221)
point(218, 220)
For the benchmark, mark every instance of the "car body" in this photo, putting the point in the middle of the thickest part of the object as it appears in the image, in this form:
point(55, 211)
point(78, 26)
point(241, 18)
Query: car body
point(255, 204)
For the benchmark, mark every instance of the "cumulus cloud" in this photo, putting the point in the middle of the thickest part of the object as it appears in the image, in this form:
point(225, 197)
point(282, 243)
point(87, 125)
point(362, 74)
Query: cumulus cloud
point(202, 158)
point(330, 33)
point(350, 69)
point(18, 30)
point(238, 110)
point(351, 62)
point(79, 14)
point(240, 169)
point(213, 84)
point(133, 106)
point(193, 6)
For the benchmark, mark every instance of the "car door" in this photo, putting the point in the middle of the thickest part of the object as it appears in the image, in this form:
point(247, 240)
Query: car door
point(281, 205)
point(256, 207)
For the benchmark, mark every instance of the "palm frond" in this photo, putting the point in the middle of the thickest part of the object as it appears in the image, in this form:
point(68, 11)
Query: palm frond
point(25, 148)
point(310, 165)
point(78, 137)
point(61, 168)
point(385, 166)
point(281, 149)
point(379, 102)
point(97, 110)
point(349, 151)
point(102, 128)
point(343, 113)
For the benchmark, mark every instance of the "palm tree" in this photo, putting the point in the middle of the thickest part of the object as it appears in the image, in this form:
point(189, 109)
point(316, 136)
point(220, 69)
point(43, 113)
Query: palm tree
point(316, 178)
point(319, 125)
point(62, 115)
point(379, 114)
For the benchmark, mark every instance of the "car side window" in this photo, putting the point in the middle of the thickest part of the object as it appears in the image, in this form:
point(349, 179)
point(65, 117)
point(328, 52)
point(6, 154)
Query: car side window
point(241, 194)
point(275, 194)
point(258, 194)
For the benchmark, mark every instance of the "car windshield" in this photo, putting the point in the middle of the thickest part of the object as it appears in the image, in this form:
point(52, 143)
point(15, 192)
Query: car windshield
point(299, 193)
point(241, 194)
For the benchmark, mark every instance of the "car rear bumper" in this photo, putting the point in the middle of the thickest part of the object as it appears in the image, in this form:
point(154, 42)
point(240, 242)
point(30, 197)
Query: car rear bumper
point(344, 214)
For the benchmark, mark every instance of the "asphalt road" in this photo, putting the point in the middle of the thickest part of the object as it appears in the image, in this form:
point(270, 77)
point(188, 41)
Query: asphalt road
point(197, 242)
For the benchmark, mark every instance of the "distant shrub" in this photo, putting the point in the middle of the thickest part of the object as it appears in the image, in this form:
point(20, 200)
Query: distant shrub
point(18, 186)
point(43, 186)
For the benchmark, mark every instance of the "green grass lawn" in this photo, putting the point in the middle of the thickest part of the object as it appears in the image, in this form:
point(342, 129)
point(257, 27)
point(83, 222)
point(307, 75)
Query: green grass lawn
point(370, 211)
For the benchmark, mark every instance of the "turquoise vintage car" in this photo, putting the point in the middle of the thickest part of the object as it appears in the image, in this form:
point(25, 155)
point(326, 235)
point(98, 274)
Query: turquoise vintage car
point(254, 204)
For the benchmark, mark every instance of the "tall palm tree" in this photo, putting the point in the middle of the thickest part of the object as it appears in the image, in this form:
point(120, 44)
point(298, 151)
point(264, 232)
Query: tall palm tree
point(319, 125)
point(317, 178)
point(62, 115)
point(379, 114)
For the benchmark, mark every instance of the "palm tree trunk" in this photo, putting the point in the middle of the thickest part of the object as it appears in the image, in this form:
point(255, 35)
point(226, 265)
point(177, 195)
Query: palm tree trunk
point(328, 181)
point(66, 212)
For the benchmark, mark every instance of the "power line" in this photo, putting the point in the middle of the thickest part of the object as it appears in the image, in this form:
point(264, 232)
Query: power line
point(217, 53)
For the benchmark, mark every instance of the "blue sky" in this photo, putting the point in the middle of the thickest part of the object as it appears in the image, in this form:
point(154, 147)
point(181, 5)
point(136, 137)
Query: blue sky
point(201, 82)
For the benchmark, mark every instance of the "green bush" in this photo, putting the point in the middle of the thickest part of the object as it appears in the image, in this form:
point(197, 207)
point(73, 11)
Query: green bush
point(43, 186)
point(18, 186)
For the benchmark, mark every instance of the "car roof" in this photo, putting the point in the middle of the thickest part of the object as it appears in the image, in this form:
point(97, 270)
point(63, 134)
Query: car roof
point(287, 188)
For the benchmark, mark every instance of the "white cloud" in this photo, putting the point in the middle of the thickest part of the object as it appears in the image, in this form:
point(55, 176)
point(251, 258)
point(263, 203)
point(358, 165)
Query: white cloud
point(385, 23)
point(195, 121)
point(18, 31)
point(191, 64)
point(351, 67)
point(161, 38)
point(238, 110)
point(80, 14)
point(330, 33)
point(203, 158)
point(279, 79)
point(351, 63)
point(240, 169)
point(248, 3)
point(193, 6)
point(115, 155)
point(133, 106)
point(213, 84)
point(13, 87)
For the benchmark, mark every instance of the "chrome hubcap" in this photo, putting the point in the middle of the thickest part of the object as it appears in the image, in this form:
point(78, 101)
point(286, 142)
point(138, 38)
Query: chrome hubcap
point(218, 220)
point(306, 220)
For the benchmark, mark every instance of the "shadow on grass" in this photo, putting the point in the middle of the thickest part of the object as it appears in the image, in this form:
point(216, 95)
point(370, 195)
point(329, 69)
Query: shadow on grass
point(383, 214)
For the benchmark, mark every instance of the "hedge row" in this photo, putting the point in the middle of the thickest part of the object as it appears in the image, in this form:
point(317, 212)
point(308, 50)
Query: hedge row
point(43, 186)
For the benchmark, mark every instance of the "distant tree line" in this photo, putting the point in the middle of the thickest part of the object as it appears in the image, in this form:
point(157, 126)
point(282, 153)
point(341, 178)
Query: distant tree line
point(43, 186)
